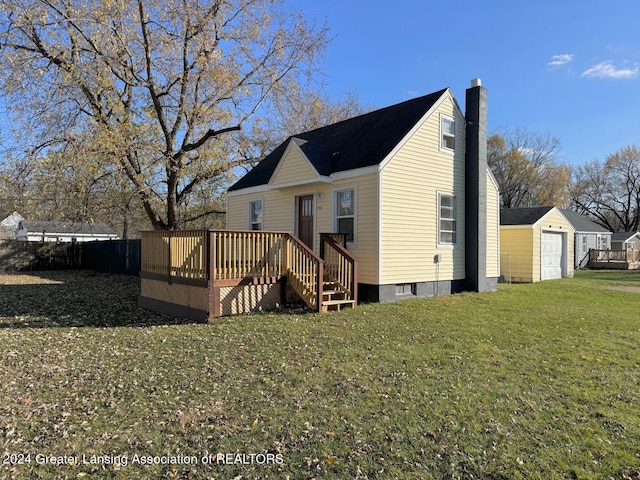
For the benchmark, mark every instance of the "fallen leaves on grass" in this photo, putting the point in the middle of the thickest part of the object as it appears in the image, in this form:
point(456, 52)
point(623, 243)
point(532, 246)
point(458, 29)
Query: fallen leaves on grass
point(520, 384)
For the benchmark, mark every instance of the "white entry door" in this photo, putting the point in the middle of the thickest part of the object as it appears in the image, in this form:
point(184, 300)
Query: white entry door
point(552, 255)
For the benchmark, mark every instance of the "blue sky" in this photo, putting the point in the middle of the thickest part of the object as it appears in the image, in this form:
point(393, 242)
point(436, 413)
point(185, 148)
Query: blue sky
point(567, 67)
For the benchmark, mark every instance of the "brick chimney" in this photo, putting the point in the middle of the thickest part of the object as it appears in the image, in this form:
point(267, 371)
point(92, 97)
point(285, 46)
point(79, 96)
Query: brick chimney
point(476, 189)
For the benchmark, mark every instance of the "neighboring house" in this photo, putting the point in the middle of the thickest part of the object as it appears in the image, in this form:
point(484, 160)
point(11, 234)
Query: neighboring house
point(588, 235)
point(625, 241)
point(408, 185)
point(63, 232)
point(535, 244)
point(9, 225)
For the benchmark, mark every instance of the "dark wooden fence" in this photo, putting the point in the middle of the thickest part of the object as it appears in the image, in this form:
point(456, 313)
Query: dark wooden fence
point(112, 256)
point(18, 255)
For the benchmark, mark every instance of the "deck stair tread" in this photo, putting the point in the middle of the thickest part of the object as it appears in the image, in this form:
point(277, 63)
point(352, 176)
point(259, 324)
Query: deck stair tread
point(334, 297)
point(344, 301)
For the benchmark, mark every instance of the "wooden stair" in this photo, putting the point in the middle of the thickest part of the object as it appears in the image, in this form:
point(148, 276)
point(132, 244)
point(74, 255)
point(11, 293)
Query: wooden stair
point(334, 296)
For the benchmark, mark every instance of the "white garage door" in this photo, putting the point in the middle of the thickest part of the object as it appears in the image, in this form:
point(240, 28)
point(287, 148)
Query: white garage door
point(552, 255)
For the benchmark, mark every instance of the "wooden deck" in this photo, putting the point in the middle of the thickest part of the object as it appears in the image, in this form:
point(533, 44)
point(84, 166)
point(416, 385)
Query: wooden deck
point(614, 259)
point(207, 273)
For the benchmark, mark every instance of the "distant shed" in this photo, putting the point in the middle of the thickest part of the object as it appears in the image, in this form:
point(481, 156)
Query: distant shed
point(63, 232)
point(535, 244)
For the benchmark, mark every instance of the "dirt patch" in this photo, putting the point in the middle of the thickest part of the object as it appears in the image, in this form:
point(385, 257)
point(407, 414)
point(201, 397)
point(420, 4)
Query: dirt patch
point(624, 288)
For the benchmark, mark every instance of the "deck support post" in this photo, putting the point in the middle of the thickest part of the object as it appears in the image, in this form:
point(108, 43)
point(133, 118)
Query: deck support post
point(283, 290)
point(214, 290)
point(320, 285)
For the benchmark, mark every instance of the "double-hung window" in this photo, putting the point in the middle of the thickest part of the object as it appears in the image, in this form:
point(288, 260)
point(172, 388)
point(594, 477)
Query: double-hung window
point(447, 133)
point(447, 219)
point(345, 213)
point(255, 215)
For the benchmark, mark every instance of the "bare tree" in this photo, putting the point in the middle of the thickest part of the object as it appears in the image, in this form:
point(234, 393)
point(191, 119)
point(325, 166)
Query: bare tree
point(65, 185)
point(609, 191)
point(296, 110)
point(156, 85)
point(300, 111)
point(527, 169)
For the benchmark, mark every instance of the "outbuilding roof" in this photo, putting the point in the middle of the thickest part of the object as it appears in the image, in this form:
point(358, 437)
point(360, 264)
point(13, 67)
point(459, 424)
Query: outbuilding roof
point(358, 142)
point(522, 216)
point(67, 228)
point(11, 221)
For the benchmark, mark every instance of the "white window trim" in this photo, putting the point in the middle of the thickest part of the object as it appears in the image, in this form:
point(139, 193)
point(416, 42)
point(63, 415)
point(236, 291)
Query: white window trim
point(250, 223)
point(443, 148)
point(439, 243)
point(334, 212)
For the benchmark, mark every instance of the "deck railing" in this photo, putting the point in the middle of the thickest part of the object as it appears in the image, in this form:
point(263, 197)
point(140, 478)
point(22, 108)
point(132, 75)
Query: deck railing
point(180, 255)
point(605, 256)
point(239, 254)
point(340, 265)
point(204, 257)
point(340, 238)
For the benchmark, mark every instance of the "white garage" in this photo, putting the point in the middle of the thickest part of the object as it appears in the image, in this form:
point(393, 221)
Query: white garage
point(535, 244)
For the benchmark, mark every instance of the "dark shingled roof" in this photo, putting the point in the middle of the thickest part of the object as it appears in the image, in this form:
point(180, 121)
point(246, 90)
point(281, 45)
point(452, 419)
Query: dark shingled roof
point(622, 236)
point(581, 223)
point(358, 142)
point(68, 227)
point(522, 216)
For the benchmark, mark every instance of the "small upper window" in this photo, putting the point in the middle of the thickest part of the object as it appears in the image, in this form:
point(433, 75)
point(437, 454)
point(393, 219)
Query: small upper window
point(345, 213)
point(447, 225)
point(255, 215)
point(448, 131)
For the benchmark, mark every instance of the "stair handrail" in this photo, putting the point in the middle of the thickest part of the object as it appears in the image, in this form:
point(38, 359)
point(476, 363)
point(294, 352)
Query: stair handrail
point(347, 278)
point(300, 275)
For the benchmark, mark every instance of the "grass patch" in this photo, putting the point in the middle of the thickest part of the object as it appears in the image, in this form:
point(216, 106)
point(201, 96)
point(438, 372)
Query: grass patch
point(534, 381)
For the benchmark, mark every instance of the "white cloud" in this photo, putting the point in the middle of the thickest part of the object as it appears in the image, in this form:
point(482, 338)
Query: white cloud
point(561, 59)
point(608, 70)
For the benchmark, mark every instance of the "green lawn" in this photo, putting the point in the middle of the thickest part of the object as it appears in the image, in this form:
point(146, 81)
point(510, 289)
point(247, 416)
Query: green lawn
point(534, 381)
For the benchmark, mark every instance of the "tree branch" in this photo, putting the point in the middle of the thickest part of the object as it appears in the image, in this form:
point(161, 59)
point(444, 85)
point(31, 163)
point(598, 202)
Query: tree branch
point(205, 138)
point(205, 214)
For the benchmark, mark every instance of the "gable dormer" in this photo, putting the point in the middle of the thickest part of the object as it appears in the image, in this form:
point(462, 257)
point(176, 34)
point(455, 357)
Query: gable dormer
point(295, 167)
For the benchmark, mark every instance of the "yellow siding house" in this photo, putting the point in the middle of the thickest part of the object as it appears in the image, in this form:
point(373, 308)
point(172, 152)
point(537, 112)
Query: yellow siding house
point(408, 186)
point(535, 244)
